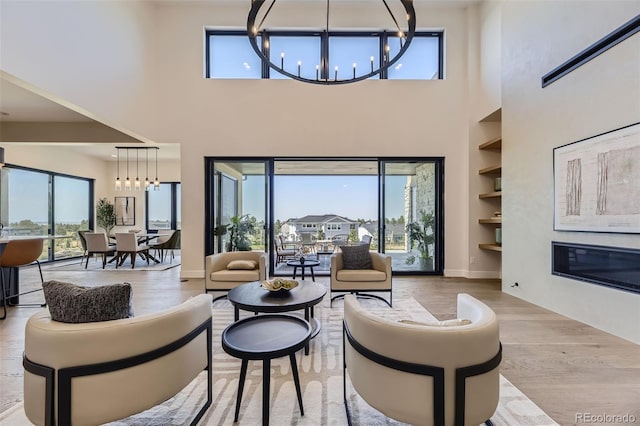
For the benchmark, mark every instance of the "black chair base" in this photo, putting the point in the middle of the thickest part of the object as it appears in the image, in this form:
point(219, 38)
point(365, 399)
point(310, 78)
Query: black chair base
point(364, 295)
point(6, 299)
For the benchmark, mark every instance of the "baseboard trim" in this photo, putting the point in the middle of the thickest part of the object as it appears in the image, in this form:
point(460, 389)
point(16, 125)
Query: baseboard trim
point(192, 274)
point(478, 275)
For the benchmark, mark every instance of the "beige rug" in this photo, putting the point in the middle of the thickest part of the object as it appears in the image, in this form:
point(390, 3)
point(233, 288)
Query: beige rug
point(321, 380)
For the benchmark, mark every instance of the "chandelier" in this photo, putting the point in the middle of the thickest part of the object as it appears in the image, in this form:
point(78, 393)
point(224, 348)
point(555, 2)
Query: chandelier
point(323, 75)
point(137, 184)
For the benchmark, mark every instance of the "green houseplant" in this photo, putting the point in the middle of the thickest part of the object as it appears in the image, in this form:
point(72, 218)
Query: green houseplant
point(421, 235)
point(239, 230)
point(106, 215)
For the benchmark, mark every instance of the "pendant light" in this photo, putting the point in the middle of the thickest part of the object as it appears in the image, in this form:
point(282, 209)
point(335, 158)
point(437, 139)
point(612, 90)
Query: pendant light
point(118, 182)
point(136, 186)
point(156, 182)
point(146, 179)
point(127, 182)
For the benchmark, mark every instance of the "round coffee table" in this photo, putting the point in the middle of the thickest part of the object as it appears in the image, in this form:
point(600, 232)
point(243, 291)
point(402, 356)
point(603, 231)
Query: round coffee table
point(266, 337)
point(306, 264)
point(252, 297)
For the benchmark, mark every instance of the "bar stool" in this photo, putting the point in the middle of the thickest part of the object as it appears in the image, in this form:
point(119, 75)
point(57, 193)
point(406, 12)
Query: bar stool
point(19, 253)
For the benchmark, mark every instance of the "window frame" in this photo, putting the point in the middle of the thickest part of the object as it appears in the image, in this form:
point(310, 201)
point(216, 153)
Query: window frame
point(173, 220)
point(325, 72)
point(51, 203)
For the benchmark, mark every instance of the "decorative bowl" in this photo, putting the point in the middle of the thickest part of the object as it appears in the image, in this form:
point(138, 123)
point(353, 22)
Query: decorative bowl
point(279, 285)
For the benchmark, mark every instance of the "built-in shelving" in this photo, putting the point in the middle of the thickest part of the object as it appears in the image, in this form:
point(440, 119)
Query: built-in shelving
point(494, 247)
point(496, 194)
point(494, 220)
point(489, 174)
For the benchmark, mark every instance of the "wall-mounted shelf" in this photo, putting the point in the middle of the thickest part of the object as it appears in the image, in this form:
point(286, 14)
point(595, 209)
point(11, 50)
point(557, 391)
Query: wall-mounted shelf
point(493, 247)
point(497, 194)
point(494, 220)
point(492, 145)
point(497, 170)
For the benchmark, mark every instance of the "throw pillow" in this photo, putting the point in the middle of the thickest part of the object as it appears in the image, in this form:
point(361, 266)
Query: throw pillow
point(446, 323)
point(72, 303)
point(242, 264)
point(356, 257)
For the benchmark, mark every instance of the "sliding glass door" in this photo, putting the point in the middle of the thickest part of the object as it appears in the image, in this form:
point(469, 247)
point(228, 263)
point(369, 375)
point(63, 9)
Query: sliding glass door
point(411, 211)
point(290, 207)
point(240, 208)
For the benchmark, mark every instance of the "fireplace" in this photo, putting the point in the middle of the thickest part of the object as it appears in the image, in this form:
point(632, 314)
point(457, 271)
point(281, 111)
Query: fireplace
point(613, 267)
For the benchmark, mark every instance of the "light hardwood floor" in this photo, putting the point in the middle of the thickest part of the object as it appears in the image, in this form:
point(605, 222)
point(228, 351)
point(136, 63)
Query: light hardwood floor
point(564, 366)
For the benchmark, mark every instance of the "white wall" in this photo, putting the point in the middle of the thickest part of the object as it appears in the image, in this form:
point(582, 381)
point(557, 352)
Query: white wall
point(60, 47)
point(284, 118)
point(602, 95)
point(95, 57)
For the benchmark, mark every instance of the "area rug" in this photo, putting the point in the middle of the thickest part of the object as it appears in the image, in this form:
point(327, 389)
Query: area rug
point(95, 264)
point(320, 376)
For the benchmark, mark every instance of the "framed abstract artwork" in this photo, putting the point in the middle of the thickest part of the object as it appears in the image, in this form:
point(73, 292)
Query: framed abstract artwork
point(125, 210)
point(597, 183)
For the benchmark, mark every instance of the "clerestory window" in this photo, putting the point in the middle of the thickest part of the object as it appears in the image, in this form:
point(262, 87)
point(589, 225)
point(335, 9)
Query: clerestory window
point(230, 55)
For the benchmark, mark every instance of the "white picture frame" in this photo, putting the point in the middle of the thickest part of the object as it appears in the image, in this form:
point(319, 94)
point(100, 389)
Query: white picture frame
point(597, 183)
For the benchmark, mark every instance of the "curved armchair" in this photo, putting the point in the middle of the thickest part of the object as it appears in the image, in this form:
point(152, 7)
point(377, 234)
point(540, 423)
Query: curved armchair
point(357, 281)
point(98, 372)
point(222, 275)
point(426, 374)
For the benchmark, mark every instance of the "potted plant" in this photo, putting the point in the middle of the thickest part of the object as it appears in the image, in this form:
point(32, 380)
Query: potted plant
point(106, 215)
point(239, 230)
point(421, 235)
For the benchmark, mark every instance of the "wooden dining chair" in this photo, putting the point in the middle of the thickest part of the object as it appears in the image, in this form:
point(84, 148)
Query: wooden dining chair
point(19, 253)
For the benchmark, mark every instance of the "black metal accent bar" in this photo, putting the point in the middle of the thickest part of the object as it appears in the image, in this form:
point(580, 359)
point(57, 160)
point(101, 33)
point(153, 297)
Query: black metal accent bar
point(49, 382)
point(607, 42)
point(370, 296)
point(65, 375)
point(461, 377)
point(437, 373)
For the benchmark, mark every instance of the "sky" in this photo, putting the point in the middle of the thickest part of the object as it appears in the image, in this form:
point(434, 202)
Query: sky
point(354, 197)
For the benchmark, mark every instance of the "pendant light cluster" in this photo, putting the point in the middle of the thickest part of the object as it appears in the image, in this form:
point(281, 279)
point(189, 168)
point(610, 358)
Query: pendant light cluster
point(323, 75)
point(137, 184)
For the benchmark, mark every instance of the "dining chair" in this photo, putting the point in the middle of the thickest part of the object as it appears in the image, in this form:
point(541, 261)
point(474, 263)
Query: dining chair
point(97, 243)
point(167, 242)
point(19, 253)
point(83, 243)
point(127, 246)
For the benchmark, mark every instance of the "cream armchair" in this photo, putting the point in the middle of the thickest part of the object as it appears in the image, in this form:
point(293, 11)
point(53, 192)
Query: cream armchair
point(439, 374)
point(222, 275)
point(98, 372)
point(357, 281)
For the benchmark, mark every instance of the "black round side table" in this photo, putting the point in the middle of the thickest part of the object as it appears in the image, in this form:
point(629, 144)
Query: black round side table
point(265, 337)
point(302, 265)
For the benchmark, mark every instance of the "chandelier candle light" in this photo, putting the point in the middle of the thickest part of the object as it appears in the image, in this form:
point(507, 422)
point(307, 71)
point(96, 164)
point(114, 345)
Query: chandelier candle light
point(322, 76)
point(137, 184)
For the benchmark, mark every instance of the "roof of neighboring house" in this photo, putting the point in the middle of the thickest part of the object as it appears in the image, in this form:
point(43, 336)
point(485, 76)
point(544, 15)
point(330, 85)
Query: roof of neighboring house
point(323, 219)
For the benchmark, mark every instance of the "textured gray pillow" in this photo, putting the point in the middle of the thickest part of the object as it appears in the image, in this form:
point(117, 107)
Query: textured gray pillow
point(356, 257)
point(72, 303)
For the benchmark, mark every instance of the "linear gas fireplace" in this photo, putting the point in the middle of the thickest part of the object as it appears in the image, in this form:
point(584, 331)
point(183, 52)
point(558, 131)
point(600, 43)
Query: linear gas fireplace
point(614, 267)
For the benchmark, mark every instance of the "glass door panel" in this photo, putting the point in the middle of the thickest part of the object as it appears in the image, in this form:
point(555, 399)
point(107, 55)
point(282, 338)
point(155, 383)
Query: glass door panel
point(319, 204)
point(240, 205)
point(409, 209)
point(71, 211)
point(26, 215)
